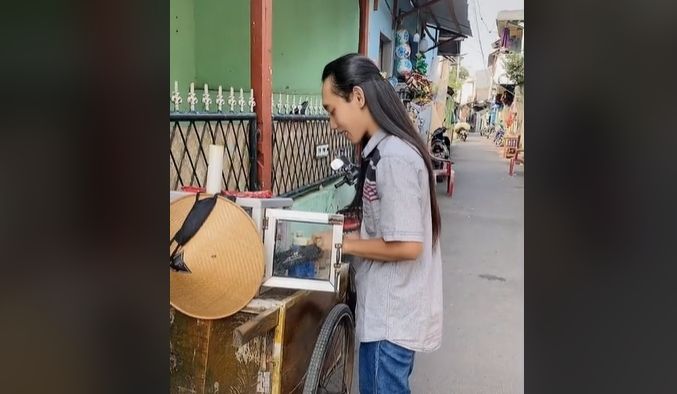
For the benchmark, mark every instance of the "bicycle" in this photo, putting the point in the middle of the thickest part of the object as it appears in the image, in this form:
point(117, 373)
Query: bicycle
point(498, 138)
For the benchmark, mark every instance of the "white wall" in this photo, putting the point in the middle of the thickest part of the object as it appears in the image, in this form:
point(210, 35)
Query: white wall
point(467, 91)
point(499, 76)
point(482, 84)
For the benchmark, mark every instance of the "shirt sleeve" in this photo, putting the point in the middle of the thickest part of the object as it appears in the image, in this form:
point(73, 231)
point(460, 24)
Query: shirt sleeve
point(400, 193)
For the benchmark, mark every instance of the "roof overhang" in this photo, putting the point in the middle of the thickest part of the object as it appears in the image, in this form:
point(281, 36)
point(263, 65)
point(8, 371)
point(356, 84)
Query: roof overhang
point(511, 19)
point(450, 17)
point(449, 46)
point(513, 15)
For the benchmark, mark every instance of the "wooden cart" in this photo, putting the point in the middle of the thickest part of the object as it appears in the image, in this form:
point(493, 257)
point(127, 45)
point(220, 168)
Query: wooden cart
point(284, 341)
point(267, 347)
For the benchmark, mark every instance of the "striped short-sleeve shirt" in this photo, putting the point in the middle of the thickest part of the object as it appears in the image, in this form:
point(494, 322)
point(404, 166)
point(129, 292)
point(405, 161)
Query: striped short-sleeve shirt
point(398, 301)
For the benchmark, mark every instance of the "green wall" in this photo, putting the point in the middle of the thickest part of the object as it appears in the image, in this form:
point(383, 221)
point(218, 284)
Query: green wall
point(222, 43)
point(306, 36)
point(212, 43)
point(327, 199)
point(182, 44)
point(212, 46)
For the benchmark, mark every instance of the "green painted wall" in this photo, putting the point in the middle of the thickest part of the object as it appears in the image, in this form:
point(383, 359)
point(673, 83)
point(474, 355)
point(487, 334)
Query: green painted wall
point(182, 43)
point(212, 43)
point(222, 43)
point(209, 43)
point(306, 36)
point(327, 199)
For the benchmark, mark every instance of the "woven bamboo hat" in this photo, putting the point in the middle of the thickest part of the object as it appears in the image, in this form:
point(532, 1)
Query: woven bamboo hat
point(225, 258)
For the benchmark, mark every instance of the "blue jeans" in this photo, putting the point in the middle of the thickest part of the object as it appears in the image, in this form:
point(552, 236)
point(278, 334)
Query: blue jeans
point(384, 368)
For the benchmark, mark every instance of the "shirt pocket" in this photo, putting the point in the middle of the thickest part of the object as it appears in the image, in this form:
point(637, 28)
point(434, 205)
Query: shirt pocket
point(372, 217)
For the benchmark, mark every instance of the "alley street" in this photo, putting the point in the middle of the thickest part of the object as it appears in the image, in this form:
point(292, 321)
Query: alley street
point(483, 255)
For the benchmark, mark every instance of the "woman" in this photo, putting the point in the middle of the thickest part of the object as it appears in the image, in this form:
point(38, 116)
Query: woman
point(399, 276)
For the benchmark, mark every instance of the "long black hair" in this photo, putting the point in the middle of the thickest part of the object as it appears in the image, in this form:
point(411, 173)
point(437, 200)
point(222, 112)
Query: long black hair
point(388, 111)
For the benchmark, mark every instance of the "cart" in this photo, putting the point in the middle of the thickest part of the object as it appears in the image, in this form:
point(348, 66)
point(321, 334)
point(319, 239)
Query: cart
point(286, 340)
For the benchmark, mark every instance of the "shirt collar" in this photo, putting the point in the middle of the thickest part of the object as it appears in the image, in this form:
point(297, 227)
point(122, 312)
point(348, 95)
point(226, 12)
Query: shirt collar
point(373, 141)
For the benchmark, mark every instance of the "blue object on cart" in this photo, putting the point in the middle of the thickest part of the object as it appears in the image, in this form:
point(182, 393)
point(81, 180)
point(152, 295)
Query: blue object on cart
point(304, 270)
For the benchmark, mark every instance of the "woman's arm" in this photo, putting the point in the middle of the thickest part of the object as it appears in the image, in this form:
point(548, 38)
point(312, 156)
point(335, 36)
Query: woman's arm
point(378, 249)
point(373, 249)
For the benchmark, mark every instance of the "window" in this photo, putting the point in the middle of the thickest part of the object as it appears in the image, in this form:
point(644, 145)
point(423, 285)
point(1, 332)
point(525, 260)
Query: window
point(385, 54)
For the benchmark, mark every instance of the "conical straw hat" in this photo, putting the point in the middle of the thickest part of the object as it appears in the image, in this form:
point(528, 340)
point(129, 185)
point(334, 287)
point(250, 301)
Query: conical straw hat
point(225, 258)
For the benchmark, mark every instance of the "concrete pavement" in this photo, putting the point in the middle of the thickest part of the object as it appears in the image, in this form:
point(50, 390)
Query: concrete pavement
point(483, 257)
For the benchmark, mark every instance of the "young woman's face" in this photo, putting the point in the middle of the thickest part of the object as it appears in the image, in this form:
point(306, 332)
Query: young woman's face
point(347, 117)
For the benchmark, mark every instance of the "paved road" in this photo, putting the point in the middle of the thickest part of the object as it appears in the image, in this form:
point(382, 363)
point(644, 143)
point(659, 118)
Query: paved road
point(483, 255)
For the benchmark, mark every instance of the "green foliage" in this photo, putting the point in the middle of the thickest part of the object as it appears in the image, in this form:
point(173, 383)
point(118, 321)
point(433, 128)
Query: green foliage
point(455, 83)
point(463, 74)
point(514, 68)
point(420, 65)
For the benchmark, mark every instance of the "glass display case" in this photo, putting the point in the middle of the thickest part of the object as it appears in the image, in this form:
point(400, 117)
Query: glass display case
point(256, 208)
point(292, 258)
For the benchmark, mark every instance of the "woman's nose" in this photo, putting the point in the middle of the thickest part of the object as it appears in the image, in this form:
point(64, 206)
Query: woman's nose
point(332, 123)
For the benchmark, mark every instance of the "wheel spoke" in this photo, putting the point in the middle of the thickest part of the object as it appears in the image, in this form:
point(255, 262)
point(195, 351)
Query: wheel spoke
point(335, 356)
point(330, 369)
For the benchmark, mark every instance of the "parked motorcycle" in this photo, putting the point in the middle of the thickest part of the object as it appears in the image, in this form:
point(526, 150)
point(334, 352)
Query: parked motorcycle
point(440, 147)
point(463, 134)
point(440, 144)
point(347, 169)
point(486, 130)
point(461, 130)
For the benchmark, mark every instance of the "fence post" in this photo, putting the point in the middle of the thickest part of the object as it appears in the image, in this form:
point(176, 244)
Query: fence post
point(261, 19)
point(253, 147)
point(363, 39)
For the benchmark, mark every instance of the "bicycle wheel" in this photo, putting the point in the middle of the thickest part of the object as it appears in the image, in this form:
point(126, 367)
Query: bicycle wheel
point(330, 370)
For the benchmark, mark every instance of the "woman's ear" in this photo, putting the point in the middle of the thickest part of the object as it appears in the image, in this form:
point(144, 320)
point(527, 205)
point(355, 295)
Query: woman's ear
point(358, 94)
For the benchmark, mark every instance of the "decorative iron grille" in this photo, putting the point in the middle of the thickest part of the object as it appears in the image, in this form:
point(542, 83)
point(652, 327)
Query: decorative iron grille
point(189, 138)
point(404, 93)
point(295, 140)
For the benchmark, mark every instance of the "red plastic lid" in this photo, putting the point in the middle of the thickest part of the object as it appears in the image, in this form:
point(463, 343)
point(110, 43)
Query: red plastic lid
point(351, 224)
point(230, 193)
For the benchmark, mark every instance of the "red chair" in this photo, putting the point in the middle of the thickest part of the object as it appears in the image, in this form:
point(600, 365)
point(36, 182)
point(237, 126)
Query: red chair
point(515, 160)
point(447, 171)
point(512, 152)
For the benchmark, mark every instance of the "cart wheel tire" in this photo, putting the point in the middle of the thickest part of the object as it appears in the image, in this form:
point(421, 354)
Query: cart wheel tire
point(340, 315)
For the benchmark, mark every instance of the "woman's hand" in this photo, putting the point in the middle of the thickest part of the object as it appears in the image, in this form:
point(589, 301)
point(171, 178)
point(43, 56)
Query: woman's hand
point(323, 240)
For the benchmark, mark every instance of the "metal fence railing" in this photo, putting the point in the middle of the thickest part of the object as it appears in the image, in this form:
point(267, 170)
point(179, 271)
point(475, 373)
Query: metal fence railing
point(191, 134)
point(296, 166)
point(300, 125)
